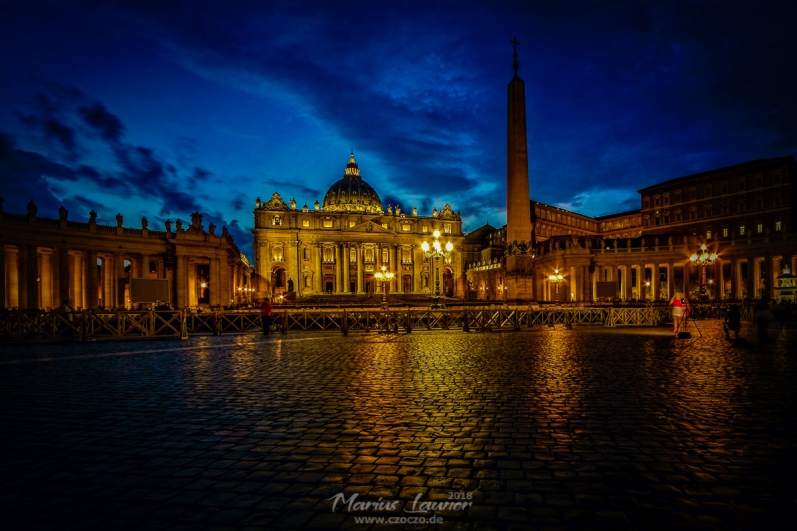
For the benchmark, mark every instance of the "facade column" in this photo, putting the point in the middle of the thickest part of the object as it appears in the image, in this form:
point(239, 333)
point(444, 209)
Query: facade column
point(360, 268)
point(686, 280)
point(119, 263)
point(92, 281)
point(720, 280)
point(734, 278)
point(319, 270)
point(214, 281)
point(414, 270)
point(181, 292)
point(396, 268)
point(33, 277)
point(143, 272)
point(63, 275)
point(346, 268)
point(22, 276)
point(655, 280)
point(338, 268)
point(773, 275)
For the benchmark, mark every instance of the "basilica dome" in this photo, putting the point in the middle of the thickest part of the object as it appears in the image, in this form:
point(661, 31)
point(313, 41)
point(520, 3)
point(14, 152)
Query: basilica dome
point(352, 194)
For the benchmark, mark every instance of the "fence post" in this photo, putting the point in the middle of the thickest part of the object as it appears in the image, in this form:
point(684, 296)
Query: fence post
point(184, 323)
point(344, 323)
point(284, 324)
point(409, 320)
point(516, 321)
point(216, 323)
point(465, 325)
point(567, 318)
point(84, 331)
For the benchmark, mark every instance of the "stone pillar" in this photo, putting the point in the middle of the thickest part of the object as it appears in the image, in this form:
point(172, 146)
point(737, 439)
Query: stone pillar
point(143, 272)
point(773, 275)
point(181, 287)
point(63, 275)
point(119, 278)
point(214, 282)
point(92, 281)
point(670, 280)
point(339, 268)
point(34, 283)
point(685, 287)
point(346, 268)
point(22, 276)
point(655, 280)
point(319, 271)
point(360, 269)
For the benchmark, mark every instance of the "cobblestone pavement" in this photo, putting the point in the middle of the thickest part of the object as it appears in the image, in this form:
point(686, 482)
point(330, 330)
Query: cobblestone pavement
point(588, 428)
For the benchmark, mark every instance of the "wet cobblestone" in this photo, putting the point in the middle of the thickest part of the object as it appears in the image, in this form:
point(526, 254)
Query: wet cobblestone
point(588, 428)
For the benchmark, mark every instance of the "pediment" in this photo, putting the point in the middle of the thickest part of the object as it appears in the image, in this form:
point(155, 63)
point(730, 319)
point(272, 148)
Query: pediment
point(370, 226)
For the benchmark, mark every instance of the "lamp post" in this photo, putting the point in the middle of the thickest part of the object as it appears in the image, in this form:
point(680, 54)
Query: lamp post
point(703, 259)
point(435, 251)
point(556, 278)
point(384, 277)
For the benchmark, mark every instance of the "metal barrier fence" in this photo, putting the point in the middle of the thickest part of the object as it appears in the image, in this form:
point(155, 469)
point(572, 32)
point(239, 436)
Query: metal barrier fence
point(98, 325)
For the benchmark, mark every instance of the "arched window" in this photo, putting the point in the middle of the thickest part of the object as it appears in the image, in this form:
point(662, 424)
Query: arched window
point(277, 253)
point(385, 255)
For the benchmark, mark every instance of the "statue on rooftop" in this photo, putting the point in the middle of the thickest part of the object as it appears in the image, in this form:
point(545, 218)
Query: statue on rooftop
point(32, 208)
point(62, 213)
point(118, 219)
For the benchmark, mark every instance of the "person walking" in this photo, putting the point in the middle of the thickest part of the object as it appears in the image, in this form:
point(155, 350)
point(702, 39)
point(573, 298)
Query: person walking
point(265, 316)
point(680, 306)
point(732, 322)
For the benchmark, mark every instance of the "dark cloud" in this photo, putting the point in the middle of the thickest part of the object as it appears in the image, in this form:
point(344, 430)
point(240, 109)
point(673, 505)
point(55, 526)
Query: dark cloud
point(107, 124)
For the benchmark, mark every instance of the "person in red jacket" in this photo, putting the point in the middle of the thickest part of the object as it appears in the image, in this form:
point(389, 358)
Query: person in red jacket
point(680, 307)
point(265, 316)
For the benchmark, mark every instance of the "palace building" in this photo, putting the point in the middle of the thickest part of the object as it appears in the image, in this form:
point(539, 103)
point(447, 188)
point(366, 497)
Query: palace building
point(46, 260)
point(337, 246)
point(725, 233)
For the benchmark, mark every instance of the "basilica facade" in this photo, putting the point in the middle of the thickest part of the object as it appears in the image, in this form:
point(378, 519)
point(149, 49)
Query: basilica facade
point(337, 247)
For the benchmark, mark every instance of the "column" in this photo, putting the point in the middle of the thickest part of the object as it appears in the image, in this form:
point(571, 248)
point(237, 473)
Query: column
point(396, 268)
point(339, 268)
point(319, 269)
point(143, 272)
point(92, 281)
point(685, 287)
point(628, 291)
point(181, 298)
point(670, 280)
point(773, 275)
point(360, 268)
point(655, 280)
point(22, 277)
point(347, 268)
point(414, 271)
point(119, 278)
point(214, 282)
point(63, 275)
point(33, 277)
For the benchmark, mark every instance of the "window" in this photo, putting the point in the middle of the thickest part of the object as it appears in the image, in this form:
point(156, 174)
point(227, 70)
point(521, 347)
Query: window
point(677, 196)
point(724, 187)
point(707, 190)
point(425, 228)
point(329, 254)
point(406, 257)
point(276, 221)
point(645, 202)
point(447, 228)
point(777, 200)
point(778, 226)
point(708, 210)
point(327, 223)
point(678, 216)
point(725, 232)
point(666, 199)
point(352, 255)
point(724, 208)
point(384, 225)
point(708, 234)
point(656, 201)
point(305, 223)
point(778, 177)
point(741, 206)
point(759, 228)
point(306, 253)
point(740, 185)
point(693, 213)
point(406, 228)
point(741, 230)
point(692, 193)
point(646, 221)
point(369, 254)
point(276, 253)
point(352, 223)
point(759, 180)
point(385, 256)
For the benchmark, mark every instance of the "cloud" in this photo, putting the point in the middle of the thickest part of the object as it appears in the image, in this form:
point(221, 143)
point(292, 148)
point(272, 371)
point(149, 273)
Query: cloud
point(108, 125)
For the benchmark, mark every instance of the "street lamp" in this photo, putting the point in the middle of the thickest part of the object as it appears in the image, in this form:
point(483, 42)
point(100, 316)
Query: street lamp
point(704, 258)
point(556, 278)
point(384, 277)
point(435, 251)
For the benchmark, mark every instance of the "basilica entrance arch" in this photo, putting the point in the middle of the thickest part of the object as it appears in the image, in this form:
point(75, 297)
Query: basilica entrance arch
point(278, 281)
point(448, 282)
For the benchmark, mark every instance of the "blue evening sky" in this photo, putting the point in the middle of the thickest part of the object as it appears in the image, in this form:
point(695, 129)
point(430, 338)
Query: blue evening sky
point(161, 108)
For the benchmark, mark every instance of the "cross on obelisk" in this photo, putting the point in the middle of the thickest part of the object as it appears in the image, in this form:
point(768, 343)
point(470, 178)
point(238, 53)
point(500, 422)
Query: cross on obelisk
point(515, 64)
